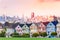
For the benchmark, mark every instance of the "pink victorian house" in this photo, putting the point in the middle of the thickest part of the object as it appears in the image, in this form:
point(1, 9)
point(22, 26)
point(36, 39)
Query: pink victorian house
point(19, 29)
point(42, 26)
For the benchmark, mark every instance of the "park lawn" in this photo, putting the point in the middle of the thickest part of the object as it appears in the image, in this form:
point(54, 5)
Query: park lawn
point(29, 38)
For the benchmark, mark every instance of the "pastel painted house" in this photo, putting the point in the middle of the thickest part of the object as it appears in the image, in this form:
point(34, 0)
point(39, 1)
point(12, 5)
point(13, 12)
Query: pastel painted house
point(9, 29)
point(41, 27)
point(25, 29)
point(33, 28)
point(58, 30)
point(18, 28)
point(50, 28)
point(55, 22)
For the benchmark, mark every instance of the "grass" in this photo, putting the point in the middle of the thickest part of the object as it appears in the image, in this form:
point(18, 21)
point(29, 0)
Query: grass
point(29, 38)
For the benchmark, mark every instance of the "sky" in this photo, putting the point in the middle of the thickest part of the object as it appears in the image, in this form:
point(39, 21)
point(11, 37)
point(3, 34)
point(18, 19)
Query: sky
point(20, 7)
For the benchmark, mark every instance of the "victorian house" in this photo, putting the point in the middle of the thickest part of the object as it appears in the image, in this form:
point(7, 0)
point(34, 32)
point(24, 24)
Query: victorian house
point(58, 29)
point(50, 28)
point(33, 28)
point(25, 28)
point(41, 27)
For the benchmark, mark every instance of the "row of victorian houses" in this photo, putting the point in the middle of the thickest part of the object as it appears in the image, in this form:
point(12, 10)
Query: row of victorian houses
point(48, 27)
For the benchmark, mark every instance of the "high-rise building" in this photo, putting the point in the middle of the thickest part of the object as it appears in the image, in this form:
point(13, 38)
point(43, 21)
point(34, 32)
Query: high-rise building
point(32, 15)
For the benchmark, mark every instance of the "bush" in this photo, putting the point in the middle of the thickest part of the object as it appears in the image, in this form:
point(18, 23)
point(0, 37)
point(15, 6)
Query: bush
point(44, 34)
point(25, 35)
point(15, 35)
point(35, 34)
point(2, 34)
point(53, 33)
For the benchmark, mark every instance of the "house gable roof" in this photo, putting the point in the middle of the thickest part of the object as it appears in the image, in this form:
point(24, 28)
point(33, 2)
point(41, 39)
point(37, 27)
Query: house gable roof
point(25, 27)
point(29, 24)
point(16, 24)
point(50, 25)
point(18, 28)
point(41, 25)
point(55, 22)
point(8, 26)
point(21, 25)
point(45, 23)
point(33, 24)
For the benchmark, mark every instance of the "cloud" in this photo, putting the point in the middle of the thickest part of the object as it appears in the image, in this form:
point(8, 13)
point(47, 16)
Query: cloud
point(48, 0)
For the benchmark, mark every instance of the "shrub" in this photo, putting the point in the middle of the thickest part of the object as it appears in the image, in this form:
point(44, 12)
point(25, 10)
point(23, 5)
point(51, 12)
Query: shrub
point(2, 34)
point(35, 34)
point(44, 34)
point(15, 35)
point(25, 35)
point(53, 33)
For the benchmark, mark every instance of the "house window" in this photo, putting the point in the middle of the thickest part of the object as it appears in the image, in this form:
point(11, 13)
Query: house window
point(50, 24)
point(48, 32)
point(25, 26)
point(43, 28)
point(39, 27)
point(18, 27)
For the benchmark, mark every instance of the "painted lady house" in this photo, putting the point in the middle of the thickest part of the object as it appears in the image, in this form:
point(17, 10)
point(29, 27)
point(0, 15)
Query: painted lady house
point(9, 29)
point(22, 28)
point(51, 27)
point(41, 27)
point(58, 30)
point(18, 28)
point(33, 28)
point(55, 22)
point(25, 28)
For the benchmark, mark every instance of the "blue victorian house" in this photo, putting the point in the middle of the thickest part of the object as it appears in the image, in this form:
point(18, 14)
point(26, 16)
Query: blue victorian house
point(55, 22)
point(50, 28)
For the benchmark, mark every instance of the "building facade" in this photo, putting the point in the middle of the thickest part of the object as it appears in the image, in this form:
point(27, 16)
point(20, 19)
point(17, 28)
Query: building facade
point(50, 28)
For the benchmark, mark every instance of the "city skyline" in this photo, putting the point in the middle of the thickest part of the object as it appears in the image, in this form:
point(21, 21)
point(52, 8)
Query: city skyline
point(26, 7)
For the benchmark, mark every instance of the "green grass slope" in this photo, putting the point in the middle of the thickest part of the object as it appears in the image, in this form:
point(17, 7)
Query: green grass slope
point(29, 38)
